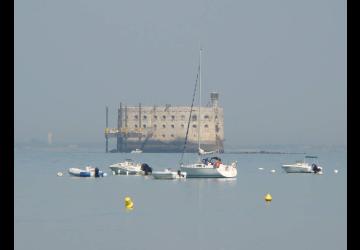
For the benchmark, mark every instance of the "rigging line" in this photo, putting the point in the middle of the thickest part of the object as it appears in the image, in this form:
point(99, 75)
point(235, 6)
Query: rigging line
point(192, 104)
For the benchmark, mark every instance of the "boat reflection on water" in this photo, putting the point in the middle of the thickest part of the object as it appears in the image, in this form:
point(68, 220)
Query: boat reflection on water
point(222, 180)
point(212, 181)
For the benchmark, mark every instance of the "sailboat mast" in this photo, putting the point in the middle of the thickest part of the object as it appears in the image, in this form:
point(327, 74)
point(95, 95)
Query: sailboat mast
point(199, 118)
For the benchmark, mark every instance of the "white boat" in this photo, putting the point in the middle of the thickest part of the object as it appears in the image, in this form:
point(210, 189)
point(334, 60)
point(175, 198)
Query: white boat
point(128, 167)
point(207, 168)
point(303, 167)
point(212, 168)
point(89, 171)
point(169, 174)
point(136, 151)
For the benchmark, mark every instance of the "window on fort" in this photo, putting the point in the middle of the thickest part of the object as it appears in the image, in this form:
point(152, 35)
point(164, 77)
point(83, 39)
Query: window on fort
point(164, 126)
point(206, 126)
point(155, 126)
point(216, 117)
point(194, 125)
point(194, 117)
point(206, 117)
point(164, 117)
point(217, 129)
point(172, 125)
point(144, 126)
point(136, 117)
point(163, 135)
point(144, 117)
point(182, 125)
point(136, 125)
point(173, 117)
point(172, 135)
point(183, 117)
point(155, 117)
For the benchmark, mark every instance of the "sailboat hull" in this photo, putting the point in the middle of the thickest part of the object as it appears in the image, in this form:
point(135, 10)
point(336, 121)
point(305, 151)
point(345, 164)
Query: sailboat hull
point(203, 171)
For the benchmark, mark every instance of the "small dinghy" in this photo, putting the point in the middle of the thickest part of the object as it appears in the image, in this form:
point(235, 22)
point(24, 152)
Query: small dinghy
point(169, 174)
point(136, 151)
point(87, 172)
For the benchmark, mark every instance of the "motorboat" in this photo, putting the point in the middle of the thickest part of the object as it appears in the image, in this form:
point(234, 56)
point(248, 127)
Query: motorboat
point(128, 167)
point(303, 167)
point(136, 151)
point(210, 168)
point(169, 174)
point(89, 171)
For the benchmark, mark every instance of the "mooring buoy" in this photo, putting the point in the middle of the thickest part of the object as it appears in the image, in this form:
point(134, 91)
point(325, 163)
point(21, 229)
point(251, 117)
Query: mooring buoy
point(268, 197)
point(129, 203)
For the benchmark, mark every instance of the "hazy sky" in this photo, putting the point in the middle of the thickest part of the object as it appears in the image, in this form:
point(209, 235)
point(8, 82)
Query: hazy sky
point(279, 66)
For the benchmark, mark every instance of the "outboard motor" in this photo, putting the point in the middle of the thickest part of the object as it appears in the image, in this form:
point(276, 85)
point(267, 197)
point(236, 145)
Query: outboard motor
point(315, 168)
point(97, 172)
point(180, 174)
point(145, 167)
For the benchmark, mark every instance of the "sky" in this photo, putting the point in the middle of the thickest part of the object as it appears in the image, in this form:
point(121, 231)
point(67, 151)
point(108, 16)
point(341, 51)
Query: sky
point(279, 66)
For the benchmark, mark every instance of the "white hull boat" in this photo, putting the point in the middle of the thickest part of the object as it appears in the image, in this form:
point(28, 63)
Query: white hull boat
point(201, 170)
point(302, 167)
point(168, 174)
point(87, 172)
point(206, 168)
point(127, 167)
point(136, 151)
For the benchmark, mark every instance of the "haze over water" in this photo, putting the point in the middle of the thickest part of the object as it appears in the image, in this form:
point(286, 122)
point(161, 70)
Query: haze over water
point(279, 66)
point(307, 212)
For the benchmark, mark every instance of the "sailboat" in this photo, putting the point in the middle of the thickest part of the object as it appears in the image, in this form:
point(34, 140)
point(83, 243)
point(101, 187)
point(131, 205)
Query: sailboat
point(210, 167)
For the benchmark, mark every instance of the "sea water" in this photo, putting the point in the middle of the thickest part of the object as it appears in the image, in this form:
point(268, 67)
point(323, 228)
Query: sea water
point(307, 211)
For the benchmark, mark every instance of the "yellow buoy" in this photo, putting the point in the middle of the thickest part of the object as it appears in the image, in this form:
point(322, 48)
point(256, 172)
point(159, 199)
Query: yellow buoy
point(268, 197)
point(129, 203)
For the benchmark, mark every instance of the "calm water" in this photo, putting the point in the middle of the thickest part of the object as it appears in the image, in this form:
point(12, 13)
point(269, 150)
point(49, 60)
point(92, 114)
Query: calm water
point(307, 212)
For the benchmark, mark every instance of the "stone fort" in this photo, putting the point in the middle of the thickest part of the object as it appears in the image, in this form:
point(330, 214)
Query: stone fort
point(163, 128)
